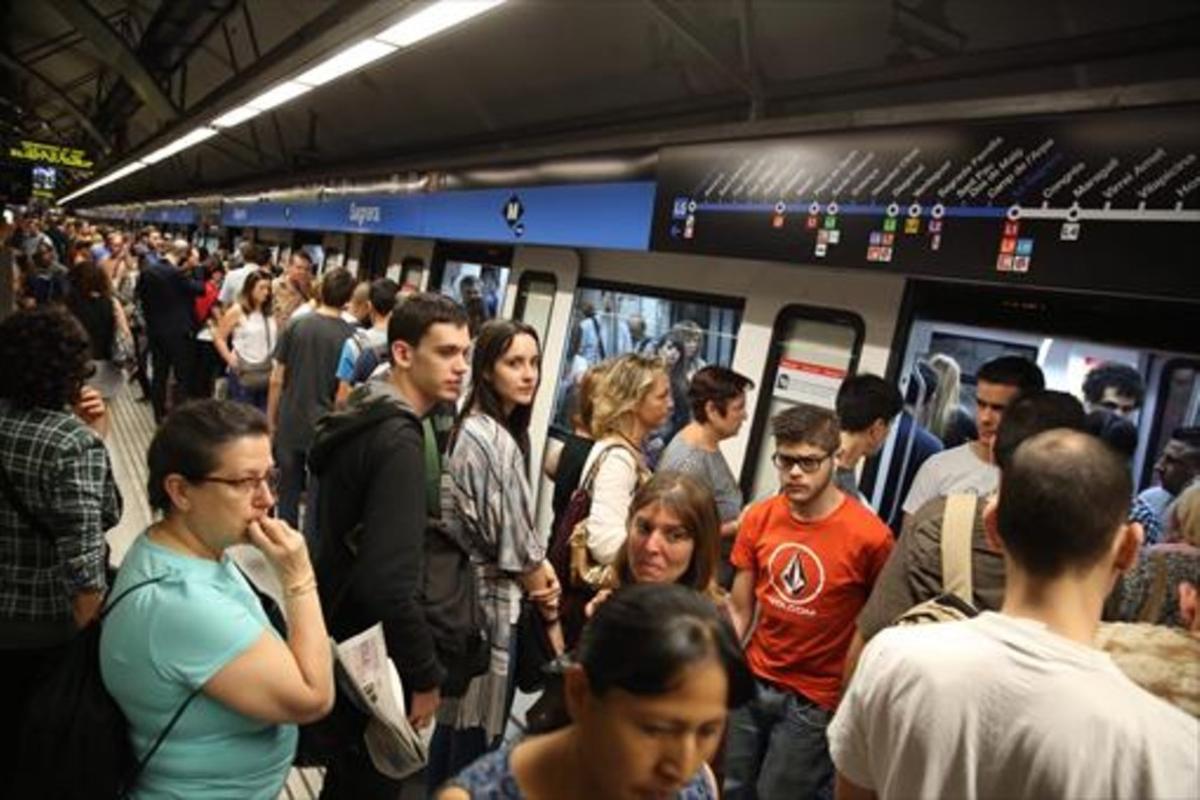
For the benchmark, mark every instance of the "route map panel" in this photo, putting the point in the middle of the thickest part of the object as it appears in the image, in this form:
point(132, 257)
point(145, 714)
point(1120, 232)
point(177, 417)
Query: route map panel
point(1107, 201)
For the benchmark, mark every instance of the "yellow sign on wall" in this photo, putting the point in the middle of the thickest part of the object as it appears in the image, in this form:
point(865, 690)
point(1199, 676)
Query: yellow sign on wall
point(42, 153)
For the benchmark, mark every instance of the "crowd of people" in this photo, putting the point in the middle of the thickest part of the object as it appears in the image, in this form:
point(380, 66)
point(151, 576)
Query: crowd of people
point(375, 448)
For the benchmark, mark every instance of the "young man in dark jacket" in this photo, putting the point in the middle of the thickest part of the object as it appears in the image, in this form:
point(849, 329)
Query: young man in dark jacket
point(373, 515)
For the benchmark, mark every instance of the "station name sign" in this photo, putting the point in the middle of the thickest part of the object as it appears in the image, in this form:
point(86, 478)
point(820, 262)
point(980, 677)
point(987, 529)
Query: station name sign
point(52, 155)
point(1101, 201)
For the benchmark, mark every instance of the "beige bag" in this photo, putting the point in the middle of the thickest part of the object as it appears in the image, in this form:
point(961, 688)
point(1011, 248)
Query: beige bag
point(956, 602)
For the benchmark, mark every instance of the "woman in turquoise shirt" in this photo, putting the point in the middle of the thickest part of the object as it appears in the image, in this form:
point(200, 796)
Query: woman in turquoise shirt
point(201, 629)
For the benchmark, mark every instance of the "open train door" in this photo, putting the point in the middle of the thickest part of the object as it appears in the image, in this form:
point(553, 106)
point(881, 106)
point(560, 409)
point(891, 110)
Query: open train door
point(533, 284)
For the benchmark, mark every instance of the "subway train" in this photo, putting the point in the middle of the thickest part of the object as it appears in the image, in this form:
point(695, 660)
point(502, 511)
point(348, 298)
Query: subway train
point(796, 260)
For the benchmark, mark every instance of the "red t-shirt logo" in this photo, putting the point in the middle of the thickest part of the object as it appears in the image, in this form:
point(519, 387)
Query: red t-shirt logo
point(797, 575)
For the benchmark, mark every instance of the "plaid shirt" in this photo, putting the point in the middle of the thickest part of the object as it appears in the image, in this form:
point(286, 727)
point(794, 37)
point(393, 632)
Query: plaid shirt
point(60, 469)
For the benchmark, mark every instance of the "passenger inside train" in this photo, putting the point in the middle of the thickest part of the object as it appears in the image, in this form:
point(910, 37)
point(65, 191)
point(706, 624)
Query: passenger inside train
point(497, 399)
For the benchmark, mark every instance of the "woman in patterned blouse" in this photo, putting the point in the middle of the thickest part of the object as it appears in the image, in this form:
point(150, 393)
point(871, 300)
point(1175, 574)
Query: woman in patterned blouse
point(493, 503)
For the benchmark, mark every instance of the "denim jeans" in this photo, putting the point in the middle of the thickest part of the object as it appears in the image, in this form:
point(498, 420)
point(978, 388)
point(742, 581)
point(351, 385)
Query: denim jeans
point(777, 749)
point(238, 392)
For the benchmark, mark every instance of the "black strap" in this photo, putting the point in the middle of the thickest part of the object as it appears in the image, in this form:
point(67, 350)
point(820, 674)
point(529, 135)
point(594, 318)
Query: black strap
point(19, 506)
point(162, 736)
point(599, 337)
point(144, 760)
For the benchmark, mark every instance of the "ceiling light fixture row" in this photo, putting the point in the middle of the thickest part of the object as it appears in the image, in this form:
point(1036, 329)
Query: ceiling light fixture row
point(432, 19)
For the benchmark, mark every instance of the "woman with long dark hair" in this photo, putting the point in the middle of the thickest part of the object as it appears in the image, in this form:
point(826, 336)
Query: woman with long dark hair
point(91, 301)
point(252, 324)
point(493, 507)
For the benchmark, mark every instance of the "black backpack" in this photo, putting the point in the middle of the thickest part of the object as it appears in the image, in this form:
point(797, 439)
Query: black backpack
point(75, 738)
point(451, 593)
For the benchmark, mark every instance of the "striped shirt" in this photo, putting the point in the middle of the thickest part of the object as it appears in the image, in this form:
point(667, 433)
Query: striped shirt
point(492, 502)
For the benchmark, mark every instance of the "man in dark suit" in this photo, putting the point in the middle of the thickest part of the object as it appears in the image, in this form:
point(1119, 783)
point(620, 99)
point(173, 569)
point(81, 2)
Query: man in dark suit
point(166, 290)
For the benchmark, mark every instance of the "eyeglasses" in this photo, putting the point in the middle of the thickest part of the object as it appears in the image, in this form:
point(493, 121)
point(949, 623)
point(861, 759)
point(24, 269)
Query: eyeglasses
point(246, 485)
point(807, 464)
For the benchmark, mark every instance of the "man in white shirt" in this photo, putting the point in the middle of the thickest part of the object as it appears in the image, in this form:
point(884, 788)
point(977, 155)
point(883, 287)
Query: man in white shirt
point(970, 468)
point(1020, 703)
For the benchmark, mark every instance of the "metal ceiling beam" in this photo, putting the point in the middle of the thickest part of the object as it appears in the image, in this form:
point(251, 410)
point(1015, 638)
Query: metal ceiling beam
point(115, 51)
point(702, 43)
point(81, 116)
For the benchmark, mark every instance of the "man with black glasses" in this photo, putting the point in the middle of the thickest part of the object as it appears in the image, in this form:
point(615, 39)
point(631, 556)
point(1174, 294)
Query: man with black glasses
point(806, 560)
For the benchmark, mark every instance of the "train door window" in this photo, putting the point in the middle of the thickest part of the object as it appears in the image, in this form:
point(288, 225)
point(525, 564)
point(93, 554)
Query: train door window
point(812, 350)
point(1177, 406)
point(475, 276)
point(373, 261)
point(535, 301)
point(687, 331)
point(407, 273)
point(951, 330)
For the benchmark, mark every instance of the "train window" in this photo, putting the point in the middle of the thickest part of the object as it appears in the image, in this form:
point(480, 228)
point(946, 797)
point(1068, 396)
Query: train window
point(535, 300)
point(475, 276)
point(1177, 406)
point(688, 331)
point(812, 350)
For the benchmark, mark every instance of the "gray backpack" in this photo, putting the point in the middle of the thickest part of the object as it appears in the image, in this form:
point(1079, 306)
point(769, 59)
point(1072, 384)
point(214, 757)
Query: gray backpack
point(956, 602)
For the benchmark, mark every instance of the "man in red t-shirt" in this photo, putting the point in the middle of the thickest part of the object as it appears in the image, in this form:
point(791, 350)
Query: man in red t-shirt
point(806, 560)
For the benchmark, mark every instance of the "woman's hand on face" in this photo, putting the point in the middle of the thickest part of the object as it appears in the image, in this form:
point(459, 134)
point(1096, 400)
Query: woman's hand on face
point(91, 409)
point(284, 547)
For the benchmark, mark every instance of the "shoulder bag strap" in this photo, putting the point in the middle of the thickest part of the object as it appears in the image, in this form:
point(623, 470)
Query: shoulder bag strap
point(19, 506)
point(433, 469)
point(958, 523)
point(590, 479)
point(162, 736)
point(145, 759)
point(267, 327)
point(599, 337)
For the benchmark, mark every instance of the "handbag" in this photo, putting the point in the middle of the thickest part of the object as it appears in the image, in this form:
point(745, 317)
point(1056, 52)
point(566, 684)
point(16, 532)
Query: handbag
point(256, 375)
point(578, 573)
point(124, 355)
point(534, 651)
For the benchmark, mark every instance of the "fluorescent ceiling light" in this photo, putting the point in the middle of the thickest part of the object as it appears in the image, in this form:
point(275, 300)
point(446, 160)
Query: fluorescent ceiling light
point(182, 143)
point(349, 60)
point(278, 95)
point(434, 19)
point(116, 175)
point(235, 117)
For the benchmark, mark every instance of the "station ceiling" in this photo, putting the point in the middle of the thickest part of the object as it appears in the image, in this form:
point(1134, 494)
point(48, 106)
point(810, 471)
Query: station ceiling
point(533, 79)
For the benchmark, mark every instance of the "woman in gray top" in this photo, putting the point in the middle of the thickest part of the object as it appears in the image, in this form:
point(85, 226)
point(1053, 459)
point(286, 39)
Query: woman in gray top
point(717, 396)
point(492, 501)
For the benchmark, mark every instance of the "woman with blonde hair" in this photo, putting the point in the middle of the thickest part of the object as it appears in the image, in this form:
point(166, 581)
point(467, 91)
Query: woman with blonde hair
point(630, 400)
point(944, 416)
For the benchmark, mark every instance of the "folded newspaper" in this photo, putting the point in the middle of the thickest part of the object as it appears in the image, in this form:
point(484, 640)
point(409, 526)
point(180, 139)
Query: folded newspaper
point(370, 679)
